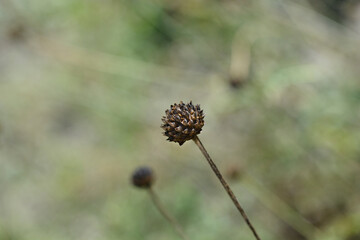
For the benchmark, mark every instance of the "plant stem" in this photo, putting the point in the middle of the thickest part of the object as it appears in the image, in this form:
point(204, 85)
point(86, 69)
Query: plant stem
point(166, 215)
point(225, 185)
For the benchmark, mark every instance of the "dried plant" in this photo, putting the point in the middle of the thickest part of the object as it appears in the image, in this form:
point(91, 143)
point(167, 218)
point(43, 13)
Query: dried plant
point(143, 177)
point(184, 122)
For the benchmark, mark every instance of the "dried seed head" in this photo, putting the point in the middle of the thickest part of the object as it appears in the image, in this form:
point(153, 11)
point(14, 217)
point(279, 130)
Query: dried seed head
point(143, 177)
point(182, 122)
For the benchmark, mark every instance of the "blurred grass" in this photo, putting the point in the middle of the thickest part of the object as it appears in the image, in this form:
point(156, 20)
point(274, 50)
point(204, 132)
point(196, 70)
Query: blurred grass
point(83, 87)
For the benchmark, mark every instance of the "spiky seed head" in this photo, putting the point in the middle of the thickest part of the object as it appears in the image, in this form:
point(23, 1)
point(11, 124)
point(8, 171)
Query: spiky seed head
point(143, 177)
point(182, 122)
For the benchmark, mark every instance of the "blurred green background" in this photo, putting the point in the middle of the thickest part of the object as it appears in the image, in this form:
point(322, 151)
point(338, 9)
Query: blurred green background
point(84, 84)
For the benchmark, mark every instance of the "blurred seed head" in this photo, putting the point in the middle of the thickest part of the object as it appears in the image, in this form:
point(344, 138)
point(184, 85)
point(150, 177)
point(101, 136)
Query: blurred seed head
point(143, 177)
point(182, 122)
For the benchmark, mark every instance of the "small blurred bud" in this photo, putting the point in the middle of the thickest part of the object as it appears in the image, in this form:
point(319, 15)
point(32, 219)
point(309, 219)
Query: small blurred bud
point(143, 177)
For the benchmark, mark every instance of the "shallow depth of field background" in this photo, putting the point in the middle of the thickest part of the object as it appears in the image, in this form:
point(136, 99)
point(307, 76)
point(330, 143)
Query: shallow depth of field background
point(84, 84)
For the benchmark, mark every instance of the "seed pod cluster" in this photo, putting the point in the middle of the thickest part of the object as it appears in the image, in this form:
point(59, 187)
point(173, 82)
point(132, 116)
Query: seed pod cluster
point(143, 177)
point(182, 122)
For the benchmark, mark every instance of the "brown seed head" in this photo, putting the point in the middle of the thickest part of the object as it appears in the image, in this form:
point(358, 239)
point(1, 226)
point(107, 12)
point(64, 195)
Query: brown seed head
point(143, 177)
point(182, 122)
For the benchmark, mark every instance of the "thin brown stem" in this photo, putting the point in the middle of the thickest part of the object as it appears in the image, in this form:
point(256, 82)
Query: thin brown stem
point(225, 185)
point(166, 215)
